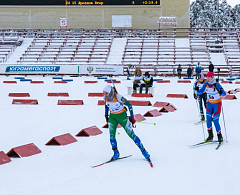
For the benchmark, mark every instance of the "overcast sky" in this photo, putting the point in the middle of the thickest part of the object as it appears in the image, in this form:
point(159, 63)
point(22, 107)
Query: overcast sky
point(230, 2)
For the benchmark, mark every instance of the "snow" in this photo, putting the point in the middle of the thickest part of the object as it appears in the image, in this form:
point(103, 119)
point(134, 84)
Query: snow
point(182, 42)
point(117, 50)
point(218, 58)
point(178, 169)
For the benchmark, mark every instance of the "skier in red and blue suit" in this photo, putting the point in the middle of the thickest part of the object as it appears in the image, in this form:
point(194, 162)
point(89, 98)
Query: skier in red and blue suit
point(215, 92)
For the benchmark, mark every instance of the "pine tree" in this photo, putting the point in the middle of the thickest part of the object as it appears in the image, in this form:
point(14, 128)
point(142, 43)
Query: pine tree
point(225, 15)
point(236, 15)
point(203, 14)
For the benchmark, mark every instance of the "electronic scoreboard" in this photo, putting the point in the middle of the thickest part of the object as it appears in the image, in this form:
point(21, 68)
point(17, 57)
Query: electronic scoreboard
point(78, 2)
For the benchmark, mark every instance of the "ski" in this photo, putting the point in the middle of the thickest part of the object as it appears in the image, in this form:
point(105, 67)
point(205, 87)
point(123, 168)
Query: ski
point(150, 162)
point(202, 143)
point(111, 160)
point(199, 122)
point(219, 144)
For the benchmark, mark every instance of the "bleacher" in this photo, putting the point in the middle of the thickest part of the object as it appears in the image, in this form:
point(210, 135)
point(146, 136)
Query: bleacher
point(152, 49)
point(148, 51)
point(60, 49)
point(8, 43)
point(10, 38)
point(163, 51)
point(231, 47)
point(199, 50)
point(5, 52)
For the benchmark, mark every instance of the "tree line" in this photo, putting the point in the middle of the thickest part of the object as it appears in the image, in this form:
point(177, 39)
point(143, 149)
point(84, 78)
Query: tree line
point(203, 14)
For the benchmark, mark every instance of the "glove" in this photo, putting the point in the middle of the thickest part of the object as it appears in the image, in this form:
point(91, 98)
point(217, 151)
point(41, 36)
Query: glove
point(197, 88)
point(132, 120)
point(195, 96)
point(220, 92)
point(106, 118)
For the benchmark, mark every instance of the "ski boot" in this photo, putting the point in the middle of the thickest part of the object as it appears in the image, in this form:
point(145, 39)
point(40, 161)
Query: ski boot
point(220, 138)
point(210, 136)
point(202, 117)
point(145, 154)
point(116, 154)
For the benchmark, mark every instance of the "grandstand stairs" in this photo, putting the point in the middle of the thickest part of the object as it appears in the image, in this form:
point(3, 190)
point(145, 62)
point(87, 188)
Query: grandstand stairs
point(117, 49)
point(218, 58)
point(19, 51)
point(181, 42)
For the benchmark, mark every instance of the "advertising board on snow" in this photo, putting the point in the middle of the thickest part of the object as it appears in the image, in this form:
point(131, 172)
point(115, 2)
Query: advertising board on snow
point(63, 69)
point(32, 69)
point(97, 69)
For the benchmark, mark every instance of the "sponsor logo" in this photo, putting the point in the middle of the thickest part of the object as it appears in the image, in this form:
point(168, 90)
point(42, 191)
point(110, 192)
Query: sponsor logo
point(32, 68)
point(90, 69)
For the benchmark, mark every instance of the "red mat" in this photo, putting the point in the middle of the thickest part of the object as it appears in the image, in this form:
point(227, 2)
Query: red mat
point(95, 94)
point(24, 151)
point(140, 103)
point(152, 113)
point(177, 95)
point(58, 94)
point(70, 102)
point(22, 101)
point(11, 82)
point(63, 140)
point(90, 131)
point(90, 82)
point(19, 95)
point(4, 158)
point(166, 81)
point(142, 95)
point(184, 81)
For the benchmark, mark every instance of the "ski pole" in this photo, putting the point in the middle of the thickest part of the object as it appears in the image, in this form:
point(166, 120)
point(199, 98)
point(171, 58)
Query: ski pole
point(224, 124)
point(147, 123)
point(113, 83)
point(199, 112)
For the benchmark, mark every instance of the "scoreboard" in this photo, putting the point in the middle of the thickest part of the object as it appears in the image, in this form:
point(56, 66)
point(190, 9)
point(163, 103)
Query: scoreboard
point(78, 2)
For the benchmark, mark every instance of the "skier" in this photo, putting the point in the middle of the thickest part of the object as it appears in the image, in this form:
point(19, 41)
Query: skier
point(214, 103)
point(118, 115)
point(201, 98)
point(146, 82)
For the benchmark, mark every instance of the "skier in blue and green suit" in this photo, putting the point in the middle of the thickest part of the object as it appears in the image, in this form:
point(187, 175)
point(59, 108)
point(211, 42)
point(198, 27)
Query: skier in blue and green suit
point(114, 103)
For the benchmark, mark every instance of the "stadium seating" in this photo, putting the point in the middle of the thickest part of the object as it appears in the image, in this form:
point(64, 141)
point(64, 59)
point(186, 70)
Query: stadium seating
point(5, 52)
point(158, 51)
point(87, 48)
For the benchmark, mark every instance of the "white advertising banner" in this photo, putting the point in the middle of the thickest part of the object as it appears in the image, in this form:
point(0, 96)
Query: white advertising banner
point(62, 69)
point(39, 69)
point(101, 69)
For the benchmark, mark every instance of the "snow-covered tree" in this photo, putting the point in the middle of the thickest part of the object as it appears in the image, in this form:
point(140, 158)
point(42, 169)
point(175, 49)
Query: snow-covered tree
point(225, 15)
point(204, 14)
point(236, 15)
